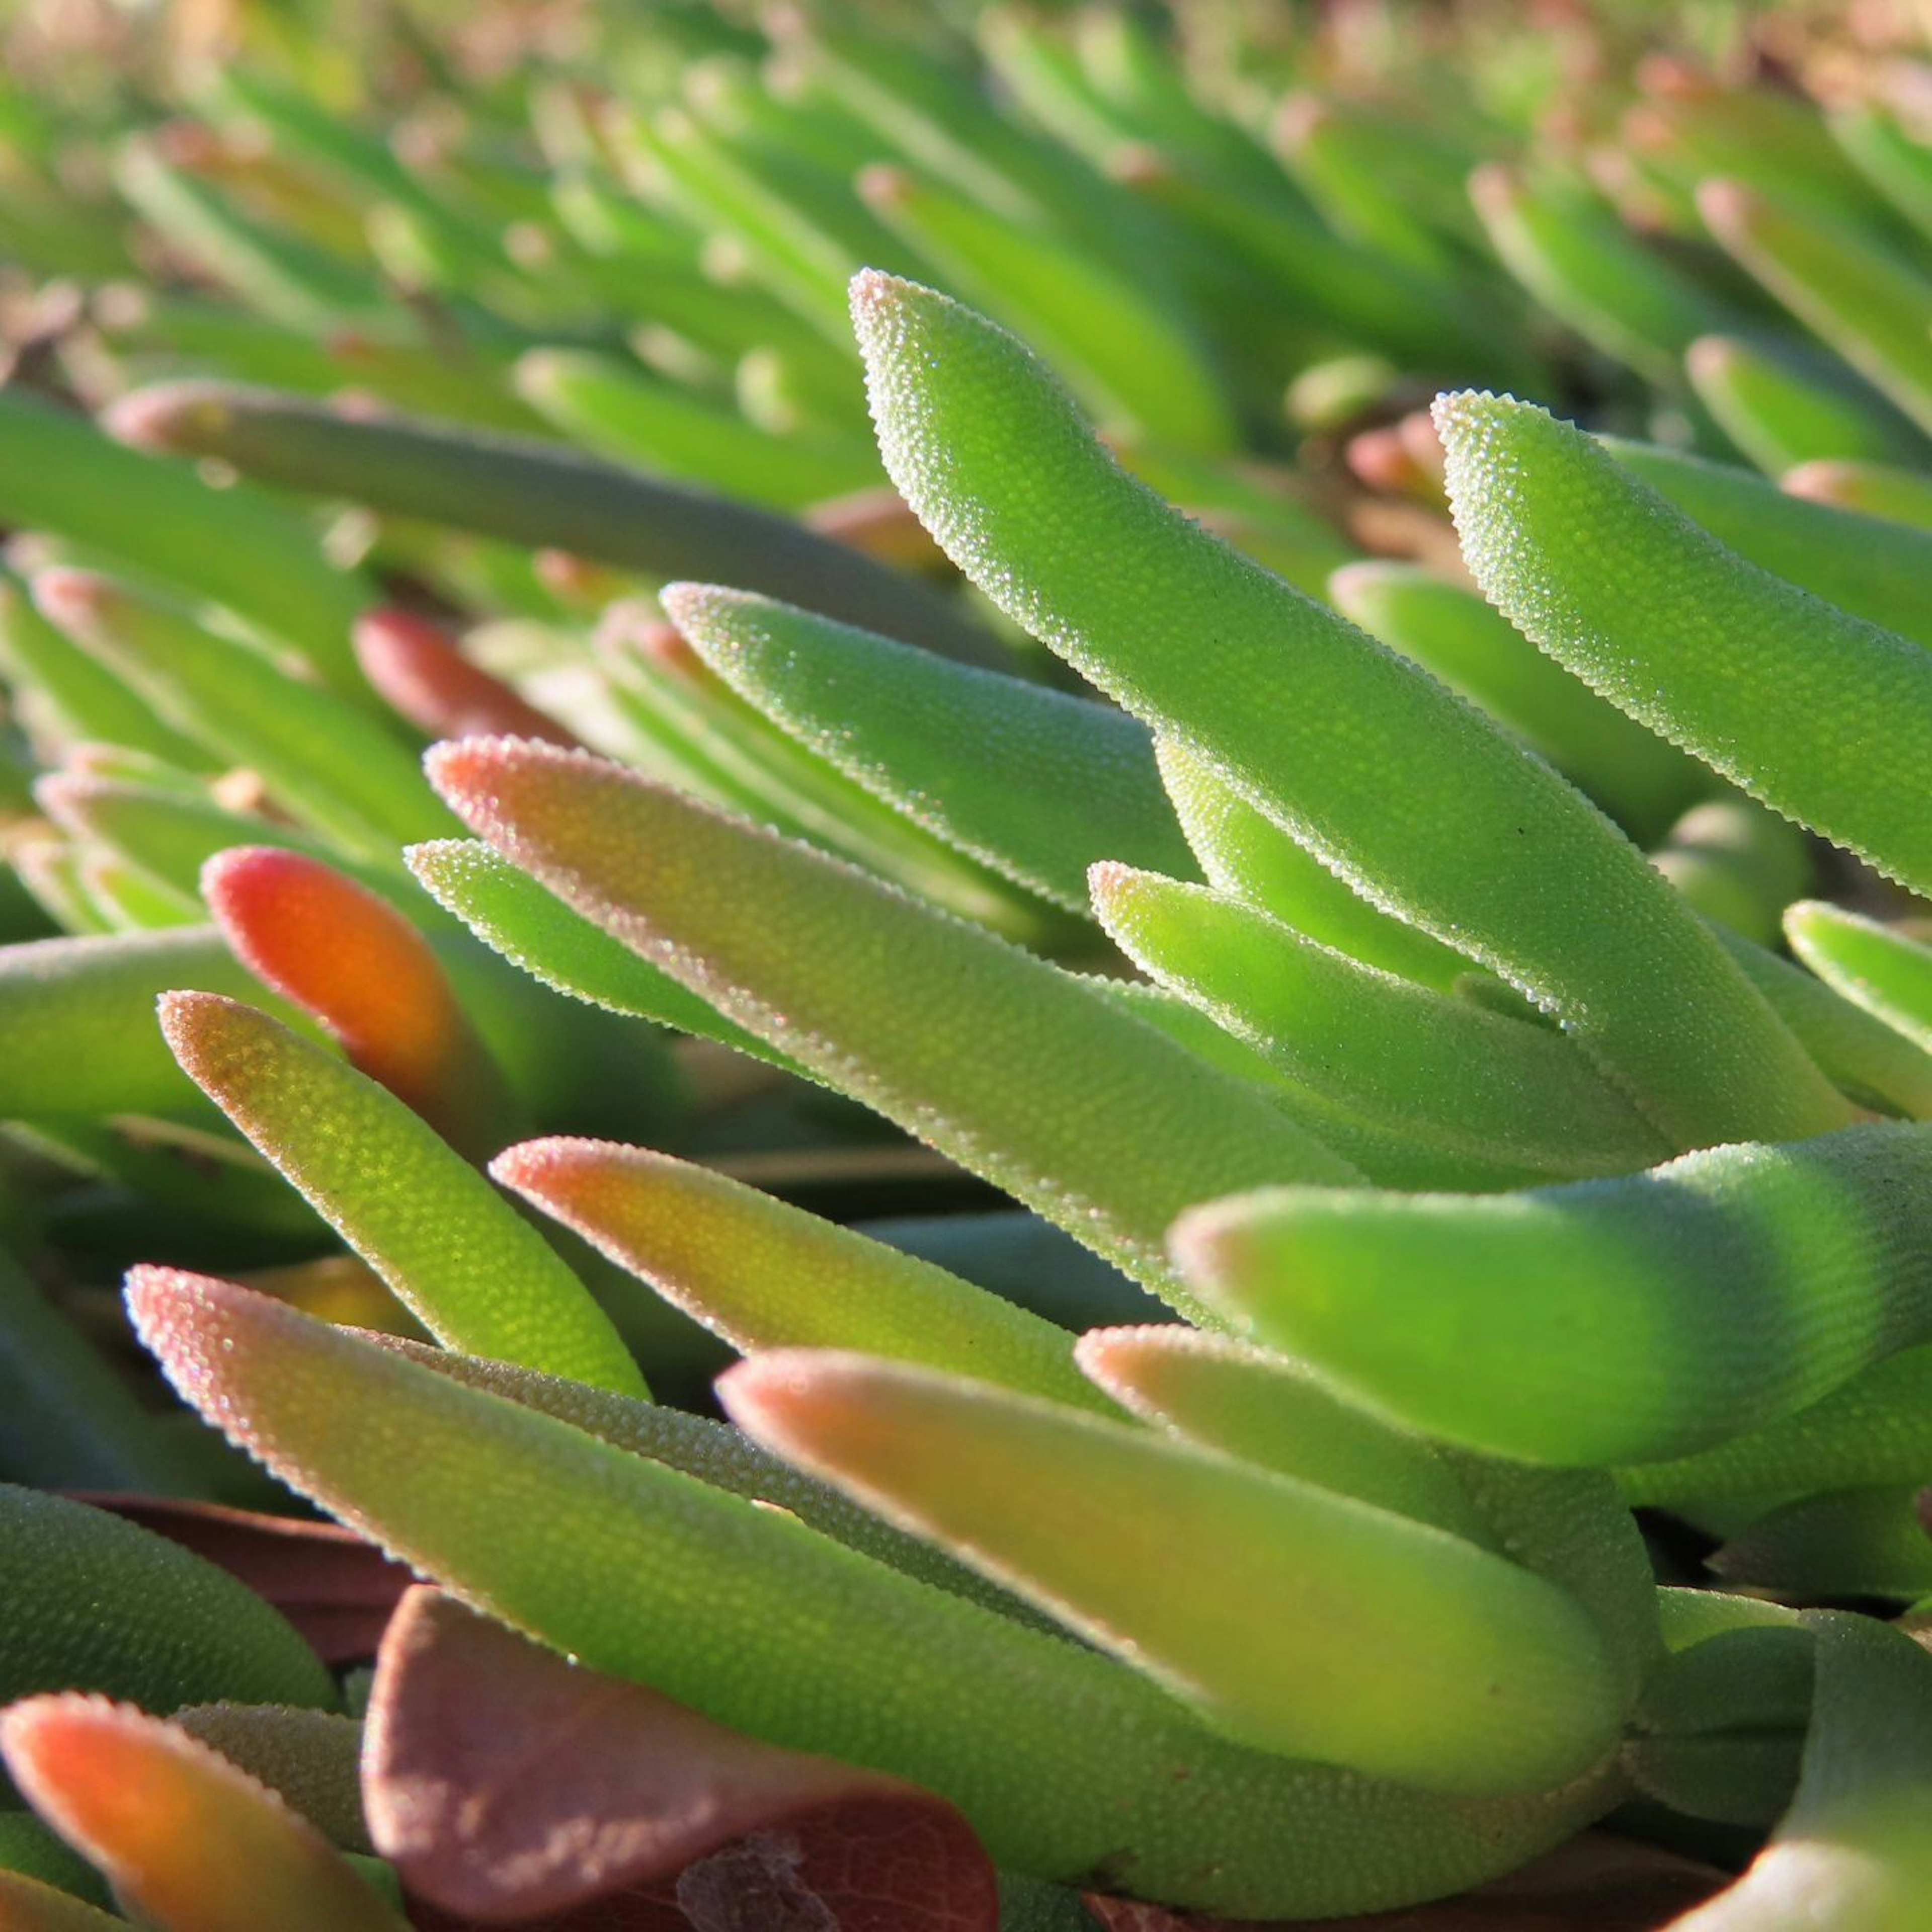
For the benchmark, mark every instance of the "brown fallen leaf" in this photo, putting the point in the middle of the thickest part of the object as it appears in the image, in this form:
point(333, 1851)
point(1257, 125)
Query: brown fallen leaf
point(336, 1589)
point(508, 1785)
point(1596, 1883)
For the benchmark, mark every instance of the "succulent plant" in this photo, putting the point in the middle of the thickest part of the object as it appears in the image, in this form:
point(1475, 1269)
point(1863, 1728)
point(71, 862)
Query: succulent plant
point(1455, 1189)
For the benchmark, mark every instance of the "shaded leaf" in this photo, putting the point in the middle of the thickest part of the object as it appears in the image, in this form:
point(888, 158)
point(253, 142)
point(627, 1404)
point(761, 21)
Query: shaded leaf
point(504, 1781)
point(333, 1587)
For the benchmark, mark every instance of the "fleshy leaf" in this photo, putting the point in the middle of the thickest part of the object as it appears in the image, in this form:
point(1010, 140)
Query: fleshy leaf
point(1010, 1065)
point(68, 1418)
point(77, 1020)
point(1822, 716)
point(1245, 853)
point(510, 911)
point(1780, 414)
point(1874, 568)
point(238, 548)
point(86, 699)
point(1411, 1059)
point(1886, 972)
point(172, 833)
point(332, 1586)
point(1597, 1883)
point(423, 676)
point(539, 494)
point(1869, 303)
point(1254, 1596)
point(1602, 1321)
point(27, 1905)
point(723, 1457)
point(1738, 864)
point(311, 1759)
point(163, 1627)
point(615, 1788)
point(1868, 1059)
point(1481, 843)
point(190, 1844)
point(1868, 1542)
point(332, 767)
point(1066, 1765)
point(1036, 783)
point(478, 1276)
point(1852, 1853)
point(1873, 489)
point(1876, 1427)
point(367, 976)
point(766, 1275)
point(1275, 1413)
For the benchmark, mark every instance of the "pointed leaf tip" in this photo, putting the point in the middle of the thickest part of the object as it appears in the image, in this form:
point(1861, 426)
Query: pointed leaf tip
point(349, 957)
point(423, 675)
point(190, 1843)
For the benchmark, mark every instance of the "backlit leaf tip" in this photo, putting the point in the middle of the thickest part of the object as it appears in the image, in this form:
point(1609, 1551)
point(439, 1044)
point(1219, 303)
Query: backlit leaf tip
point(420, 673)
point(191, 1842)
point(181, 1320)
point(343, 955)
point(471, 774)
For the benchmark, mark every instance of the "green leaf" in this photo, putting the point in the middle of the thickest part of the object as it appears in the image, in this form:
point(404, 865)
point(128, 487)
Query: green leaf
point(1068, 1766)
point(1641, 781)
point(1875, 1427)
point(87, 700)
point(1481, 844)
point(1035, 783)
point(1880, 969)
point(766, 1275)
point(1133, 362)
point(1875, 568)
point(1822, 716)
point(1293, 1618)
point(67, 1419)
point(238, 548)
point(472, 1270)
point(1739, 864)
point(1566, 247)
point(160, 1627)
point(77, 1020)
point(511, 912)
point(1277, 1414)
point(1872, 1063)
point(1409, 1059)
point(327, 762)
point(1866, 1542)
point(1018, 1070)
point(722, 1457)
point(536, 495)
point(1852, 1853)
point(1781, 413)
point(1245, 853)
point(1601, 1322)
point(1867, 302)
point(617, 412)
point(190, 1843)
